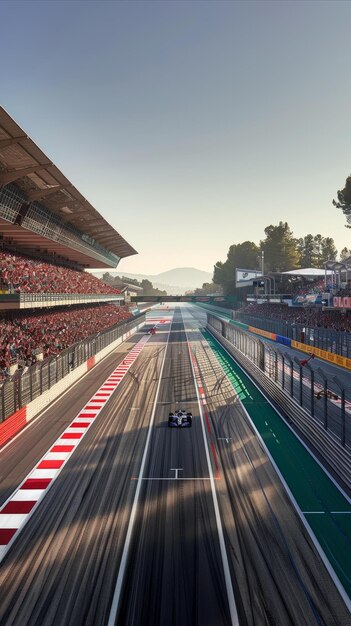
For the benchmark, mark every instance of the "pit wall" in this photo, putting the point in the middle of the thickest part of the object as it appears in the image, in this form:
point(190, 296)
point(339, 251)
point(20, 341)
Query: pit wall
point(18, 420)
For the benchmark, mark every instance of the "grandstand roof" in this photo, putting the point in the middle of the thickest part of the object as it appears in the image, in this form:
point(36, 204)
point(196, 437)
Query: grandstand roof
point(307, 271)
point(23, 163)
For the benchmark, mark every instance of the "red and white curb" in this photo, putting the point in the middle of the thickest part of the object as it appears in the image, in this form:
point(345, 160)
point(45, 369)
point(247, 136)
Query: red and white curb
point(21, 504)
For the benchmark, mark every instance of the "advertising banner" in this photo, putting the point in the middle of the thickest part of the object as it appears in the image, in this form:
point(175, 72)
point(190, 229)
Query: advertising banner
point(245, 278)
point(342, 303)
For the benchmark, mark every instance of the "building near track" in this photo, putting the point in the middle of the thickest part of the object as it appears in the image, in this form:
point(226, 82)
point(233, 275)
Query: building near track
point(49, 234)
point(43, 215)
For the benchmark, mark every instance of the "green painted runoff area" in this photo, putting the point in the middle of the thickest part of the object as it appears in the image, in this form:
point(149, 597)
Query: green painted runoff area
point(326, 510)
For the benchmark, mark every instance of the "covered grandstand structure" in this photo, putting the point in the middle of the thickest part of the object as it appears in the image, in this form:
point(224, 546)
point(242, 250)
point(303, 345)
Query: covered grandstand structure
point(49, 234)
point(44, 216)
point(42, 212)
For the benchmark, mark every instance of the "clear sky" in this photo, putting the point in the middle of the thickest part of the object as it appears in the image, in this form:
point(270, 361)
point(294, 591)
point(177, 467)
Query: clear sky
point(190, 126)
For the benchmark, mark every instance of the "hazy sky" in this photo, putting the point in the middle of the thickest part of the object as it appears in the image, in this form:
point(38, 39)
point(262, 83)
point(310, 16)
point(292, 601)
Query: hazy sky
point(190, 126)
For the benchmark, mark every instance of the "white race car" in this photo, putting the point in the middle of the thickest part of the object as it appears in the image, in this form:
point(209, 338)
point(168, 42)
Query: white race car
point(180, 419)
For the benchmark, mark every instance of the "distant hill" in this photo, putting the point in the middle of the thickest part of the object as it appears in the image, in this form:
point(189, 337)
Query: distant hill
point(176, 281)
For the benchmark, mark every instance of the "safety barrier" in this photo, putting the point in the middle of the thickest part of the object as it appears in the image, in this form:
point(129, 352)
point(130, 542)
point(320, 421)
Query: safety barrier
point(325, 355)
point(318, 405)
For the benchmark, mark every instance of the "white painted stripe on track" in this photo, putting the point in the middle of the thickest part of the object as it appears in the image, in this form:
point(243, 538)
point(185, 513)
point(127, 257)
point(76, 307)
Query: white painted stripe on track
point(124, 558)
point(27, 495)
point(66, 442)
point(84, 419)
point(12, 520)
point(56, 456)
point(71, 431)
point(225, 563)
point(44, 473)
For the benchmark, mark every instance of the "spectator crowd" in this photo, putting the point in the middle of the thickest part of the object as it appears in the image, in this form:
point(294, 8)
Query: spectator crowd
point(20, 273)
point(27, 334)
point(317, 286)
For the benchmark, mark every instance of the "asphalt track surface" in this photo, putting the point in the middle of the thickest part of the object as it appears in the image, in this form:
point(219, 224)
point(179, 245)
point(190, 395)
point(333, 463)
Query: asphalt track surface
point(63, 566)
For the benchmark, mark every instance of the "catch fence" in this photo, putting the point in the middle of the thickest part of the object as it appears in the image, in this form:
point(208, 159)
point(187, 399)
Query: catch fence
point(324, 338)
point(324, 397)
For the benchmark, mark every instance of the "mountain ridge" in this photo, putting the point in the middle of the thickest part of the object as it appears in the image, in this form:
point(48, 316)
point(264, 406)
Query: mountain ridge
point(175, 281)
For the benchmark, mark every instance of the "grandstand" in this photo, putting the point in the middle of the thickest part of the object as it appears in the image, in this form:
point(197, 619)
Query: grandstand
point(310, 305)
point(49, 234)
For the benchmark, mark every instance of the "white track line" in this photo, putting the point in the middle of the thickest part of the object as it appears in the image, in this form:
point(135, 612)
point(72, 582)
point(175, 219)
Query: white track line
point(123, 563)
point(228, 580)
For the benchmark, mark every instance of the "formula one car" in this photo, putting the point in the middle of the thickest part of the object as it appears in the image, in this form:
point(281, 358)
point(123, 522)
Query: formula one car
point(180, 419)
point(151, 331)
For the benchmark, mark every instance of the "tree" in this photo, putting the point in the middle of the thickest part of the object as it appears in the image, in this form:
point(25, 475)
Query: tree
point(206, 289)
point(107, 278)
point(329, 251)
point(242, 255)
point(318, 239)
point(130, 281)
point(150, 290)
point(280, 248)
point(306, 251)
point(344, 201)
point(314, 250)
point(345, 254)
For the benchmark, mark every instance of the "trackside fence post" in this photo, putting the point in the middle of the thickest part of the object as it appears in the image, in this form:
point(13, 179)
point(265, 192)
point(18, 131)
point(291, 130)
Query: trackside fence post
point(290, 361)
point(2, 403)
point(275, 366)
point(301, 382)
point(322, 375)
point(343, 417)
point(30, 385)
point(311, 371)
point(280, 368)
point(343, 411)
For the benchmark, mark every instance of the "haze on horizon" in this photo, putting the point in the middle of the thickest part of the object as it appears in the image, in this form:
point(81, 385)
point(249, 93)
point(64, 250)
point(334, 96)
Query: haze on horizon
point(190, 126)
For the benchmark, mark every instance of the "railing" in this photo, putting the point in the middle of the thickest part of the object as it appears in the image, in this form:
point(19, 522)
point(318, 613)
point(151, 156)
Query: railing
point(68, 298)
point(27, 384)
point(269, 297)
point(324, 338)
point(324, 397)
point(37, 300)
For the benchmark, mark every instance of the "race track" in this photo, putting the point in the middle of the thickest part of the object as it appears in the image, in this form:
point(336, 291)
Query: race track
point(147, 525)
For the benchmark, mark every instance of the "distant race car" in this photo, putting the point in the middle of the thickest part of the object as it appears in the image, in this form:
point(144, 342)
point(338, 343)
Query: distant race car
point(180, 419)
point(151, 331)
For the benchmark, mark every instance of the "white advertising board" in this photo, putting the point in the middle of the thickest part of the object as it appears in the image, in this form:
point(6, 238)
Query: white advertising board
point(245, 278)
